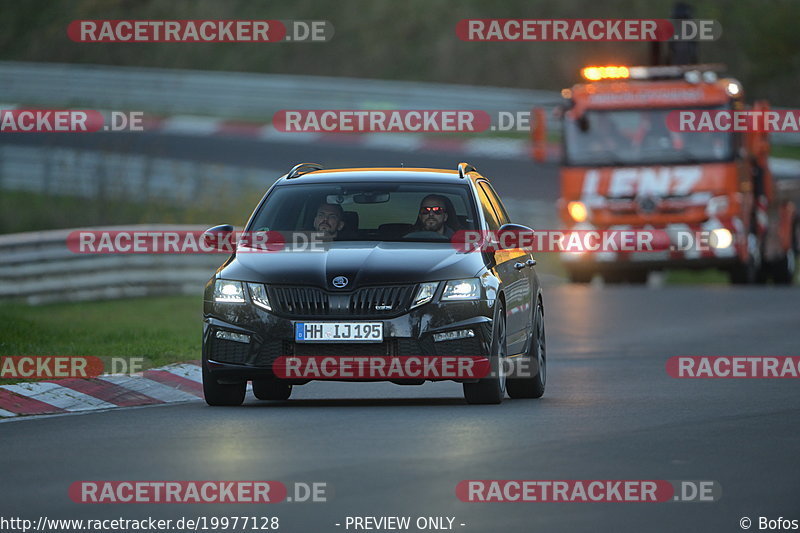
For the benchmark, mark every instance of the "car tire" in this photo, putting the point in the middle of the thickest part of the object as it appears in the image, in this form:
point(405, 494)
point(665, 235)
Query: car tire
point(271, 389)
point(491, 389)
point(533, 386)
point(218, 394)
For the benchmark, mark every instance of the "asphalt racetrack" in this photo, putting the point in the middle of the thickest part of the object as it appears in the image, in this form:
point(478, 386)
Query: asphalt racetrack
point(611, 411)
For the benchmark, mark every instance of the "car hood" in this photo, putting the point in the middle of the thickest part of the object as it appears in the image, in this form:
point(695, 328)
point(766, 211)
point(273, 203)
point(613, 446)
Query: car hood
point(362, 263)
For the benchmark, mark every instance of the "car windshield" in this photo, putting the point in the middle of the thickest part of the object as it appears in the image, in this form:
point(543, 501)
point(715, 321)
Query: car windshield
point(636, 137)
point(369, 211)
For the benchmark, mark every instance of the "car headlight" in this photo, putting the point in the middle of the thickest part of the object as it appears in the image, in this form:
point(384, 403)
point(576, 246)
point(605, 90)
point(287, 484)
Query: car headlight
point(226, 291)
point(425, 293)
point(258, 294)
point(462, 289)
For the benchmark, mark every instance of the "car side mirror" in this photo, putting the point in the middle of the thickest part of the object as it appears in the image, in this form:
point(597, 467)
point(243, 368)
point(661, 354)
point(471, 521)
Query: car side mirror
point(513, 236)
point(220, 238)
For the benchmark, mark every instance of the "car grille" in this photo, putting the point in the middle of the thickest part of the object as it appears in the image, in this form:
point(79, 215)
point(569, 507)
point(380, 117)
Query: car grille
point(302, 302)
point(457, 347)
point(271, 350)
point(344, 350)
point(226, 351)
point(404, 347)
point(390, 347)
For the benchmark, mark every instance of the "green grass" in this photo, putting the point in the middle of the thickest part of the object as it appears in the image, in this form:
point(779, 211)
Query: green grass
point(789, 152)
point(161, 330)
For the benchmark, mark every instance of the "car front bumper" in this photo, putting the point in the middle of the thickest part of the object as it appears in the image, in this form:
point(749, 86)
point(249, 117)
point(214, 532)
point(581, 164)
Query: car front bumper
point(264, 336)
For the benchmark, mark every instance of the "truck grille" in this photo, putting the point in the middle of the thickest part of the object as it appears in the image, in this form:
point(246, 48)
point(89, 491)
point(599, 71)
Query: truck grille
point(301, 302)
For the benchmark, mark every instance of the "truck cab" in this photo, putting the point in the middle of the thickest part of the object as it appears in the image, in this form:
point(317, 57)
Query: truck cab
point(624, 167)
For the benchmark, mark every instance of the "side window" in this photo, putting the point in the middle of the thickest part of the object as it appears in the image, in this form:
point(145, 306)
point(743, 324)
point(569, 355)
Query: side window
point(488, 210)
point(500, 209)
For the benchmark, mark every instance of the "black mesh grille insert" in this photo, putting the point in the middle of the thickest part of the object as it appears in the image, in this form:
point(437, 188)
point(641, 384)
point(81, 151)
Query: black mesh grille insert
point(300, 301)
point(270, 350)
point(344, 350)
point(468, 346)
point(381, 300)
point(297, 302)
point(228, 351)
point(410, 348)
point(404, 347)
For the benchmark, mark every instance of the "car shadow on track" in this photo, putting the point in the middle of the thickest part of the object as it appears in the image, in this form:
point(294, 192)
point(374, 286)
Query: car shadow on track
point(356, 402)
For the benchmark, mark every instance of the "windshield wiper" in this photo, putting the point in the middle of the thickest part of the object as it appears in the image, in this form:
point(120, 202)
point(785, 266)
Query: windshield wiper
point(673, 156)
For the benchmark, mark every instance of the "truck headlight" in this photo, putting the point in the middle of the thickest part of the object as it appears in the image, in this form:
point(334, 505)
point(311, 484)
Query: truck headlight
point(720, 238)
point(578, 211)
point(425, 293)
point(462, 289)
point(226, 291)
point(258, 295)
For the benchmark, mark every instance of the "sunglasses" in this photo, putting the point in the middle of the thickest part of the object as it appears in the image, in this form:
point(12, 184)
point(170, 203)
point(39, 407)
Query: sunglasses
point(431, 209)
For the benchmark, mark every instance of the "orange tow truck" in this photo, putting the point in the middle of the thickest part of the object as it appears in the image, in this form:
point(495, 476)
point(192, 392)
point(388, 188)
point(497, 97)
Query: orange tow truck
point(623, 168)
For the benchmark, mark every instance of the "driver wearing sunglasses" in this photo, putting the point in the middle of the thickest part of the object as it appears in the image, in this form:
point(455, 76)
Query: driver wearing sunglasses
point(433, 215)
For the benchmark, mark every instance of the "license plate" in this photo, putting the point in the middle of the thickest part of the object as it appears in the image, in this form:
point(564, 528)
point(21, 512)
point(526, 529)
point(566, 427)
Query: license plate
point(338, 332)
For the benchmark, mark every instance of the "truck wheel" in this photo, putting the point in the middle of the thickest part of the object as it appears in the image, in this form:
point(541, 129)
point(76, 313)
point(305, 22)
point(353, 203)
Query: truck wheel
point(614, 277)
point(579, 276)
point(784, 270)
point(637, 277)
point(220, 394)
point(271, 389)
point(750, 271)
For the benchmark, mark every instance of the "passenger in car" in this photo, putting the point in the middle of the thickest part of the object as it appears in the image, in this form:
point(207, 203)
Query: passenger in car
point(329, 220)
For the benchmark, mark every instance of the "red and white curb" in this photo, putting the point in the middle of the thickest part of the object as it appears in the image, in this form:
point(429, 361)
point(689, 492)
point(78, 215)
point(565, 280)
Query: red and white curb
point(174, 383)
point(483, 146)
point(499, 147)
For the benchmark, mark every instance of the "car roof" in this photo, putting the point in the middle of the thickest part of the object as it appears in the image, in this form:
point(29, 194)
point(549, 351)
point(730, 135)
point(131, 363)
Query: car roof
point(404, 174)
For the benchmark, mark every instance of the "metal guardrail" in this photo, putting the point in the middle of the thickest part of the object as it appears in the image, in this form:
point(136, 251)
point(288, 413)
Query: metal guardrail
point(241, 95)
point(253, 96)
point(133, 177)
point(38, 268)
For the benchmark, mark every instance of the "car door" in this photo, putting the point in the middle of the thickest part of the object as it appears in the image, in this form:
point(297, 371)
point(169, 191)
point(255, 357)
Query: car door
point(532, 286)
point(512, 270)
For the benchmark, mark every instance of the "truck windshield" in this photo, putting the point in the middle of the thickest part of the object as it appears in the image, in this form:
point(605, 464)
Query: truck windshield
point(621, 137)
